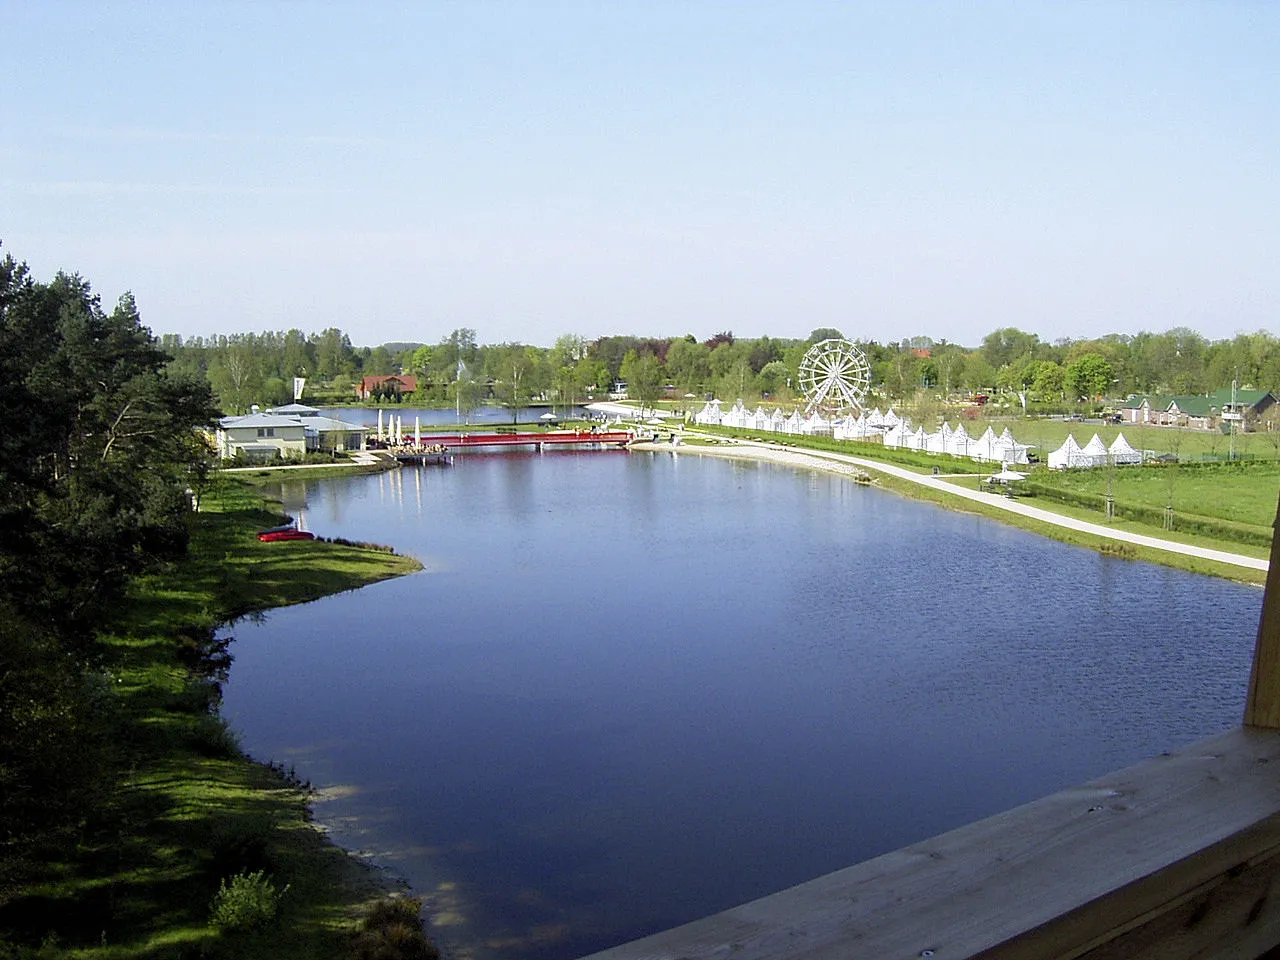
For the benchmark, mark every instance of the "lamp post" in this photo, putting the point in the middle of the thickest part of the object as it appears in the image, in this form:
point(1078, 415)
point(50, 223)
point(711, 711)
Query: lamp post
point(1235, 412)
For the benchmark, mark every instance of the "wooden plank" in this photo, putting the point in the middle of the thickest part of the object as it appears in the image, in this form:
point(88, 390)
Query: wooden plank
point(1056, 878)
point(1262, 708)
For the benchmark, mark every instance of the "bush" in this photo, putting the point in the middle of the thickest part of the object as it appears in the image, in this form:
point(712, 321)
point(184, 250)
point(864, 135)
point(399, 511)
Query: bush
point(241, 845)
point(211, 737)
point(249, 902)
point(392, 930)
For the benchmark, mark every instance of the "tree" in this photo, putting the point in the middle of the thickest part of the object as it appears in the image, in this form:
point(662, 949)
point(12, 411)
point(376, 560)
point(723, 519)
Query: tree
point(1049, 380)
point(1007, 345)
point(1087, 376)
point(824, 333)
point(978, 373)
point(420, 362)
point(94, 468)
point(334, 353)
point(738, 381)
point(508, 365)
point(643, 374)
point(379, 362)
point(687, 364)
point(773, 377)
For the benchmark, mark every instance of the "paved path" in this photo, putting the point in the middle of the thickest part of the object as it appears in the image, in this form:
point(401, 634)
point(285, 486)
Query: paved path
point(1013, 506)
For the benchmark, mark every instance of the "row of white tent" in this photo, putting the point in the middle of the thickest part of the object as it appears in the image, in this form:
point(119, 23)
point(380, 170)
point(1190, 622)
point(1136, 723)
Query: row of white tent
point(988, 447)
point(871, 424)
point(1095, 453)
point(896, 432)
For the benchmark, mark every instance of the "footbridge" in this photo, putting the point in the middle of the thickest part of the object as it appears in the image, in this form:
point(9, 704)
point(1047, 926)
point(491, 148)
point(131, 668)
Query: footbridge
point(455, 442)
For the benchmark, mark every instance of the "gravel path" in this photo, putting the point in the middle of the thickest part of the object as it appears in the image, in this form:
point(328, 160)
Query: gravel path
point(846, 464)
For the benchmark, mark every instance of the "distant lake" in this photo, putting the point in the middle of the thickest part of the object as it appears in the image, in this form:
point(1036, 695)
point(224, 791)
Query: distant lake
point(480, 416)
point(633, 689)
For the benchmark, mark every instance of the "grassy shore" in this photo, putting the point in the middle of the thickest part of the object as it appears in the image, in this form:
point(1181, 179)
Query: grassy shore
point(1210, 501)
point(188, 809)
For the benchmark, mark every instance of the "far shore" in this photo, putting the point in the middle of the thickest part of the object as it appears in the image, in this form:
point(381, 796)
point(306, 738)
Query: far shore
point(1234, 566)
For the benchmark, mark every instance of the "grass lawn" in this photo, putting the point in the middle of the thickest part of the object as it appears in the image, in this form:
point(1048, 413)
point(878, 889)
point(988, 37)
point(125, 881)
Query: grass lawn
point(1245, 495)
point(1047, 435)
point(1228, 507)
point(187, 808)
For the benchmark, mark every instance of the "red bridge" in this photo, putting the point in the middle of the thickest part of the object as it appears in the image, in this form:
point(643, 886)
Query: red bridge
point(456, 441)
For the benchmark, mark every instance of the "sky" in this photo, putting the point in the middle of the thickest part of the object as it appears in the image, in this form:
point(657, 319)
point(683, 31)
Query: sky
point(532, 169)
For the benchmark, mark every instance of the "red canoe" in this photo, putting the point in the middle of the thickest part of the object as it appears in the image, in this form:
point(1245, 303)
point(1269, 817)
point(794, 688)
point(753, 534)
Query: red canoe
point(271, 536)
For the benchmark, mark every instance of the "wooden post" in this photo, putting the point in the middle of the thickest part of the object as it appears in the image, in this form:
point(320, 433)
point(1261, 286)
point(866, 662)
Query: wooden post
point(1262, 709)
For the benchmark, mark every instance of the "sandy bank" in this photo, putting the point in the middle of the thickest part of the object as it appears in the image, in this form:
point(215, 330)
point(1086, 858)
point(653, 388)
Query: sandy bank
point(790, 458)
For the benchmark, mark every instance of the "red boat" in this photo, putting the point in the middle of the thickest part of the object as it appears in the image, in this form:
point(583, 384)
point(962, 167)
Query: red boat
point(271, 536)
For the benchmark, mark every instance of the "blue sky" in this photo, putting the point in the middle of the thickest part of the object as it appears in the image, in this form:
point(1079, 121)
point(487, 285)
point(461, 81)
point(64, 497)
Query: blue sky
point(661, 168)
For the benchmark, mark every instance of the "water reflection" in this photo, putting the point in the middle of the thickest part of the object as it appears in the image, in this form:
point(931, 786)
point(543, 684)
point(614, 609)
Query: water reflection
point(642, 688)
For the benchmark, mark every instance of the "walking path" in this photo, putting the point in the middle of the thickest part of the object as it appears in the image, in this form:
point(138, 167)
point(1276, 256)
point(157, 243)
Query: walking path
point(1013, 506)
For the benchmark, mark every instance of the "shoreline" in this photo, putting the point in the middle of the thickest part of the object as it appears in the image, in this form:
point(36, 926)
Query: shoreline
point(1233, 566)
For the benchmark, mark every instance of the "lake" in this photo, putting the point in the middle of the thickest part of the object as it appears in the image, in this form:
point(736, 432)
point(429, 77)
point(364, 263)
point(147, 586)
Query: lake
point(632, 689)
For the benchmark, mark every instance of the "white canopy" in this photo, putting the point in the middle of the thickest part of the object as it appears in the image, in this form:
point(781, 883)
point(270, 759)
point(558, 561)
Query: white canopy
point(1121, 451)
point(1067, 455)
point(709, 415)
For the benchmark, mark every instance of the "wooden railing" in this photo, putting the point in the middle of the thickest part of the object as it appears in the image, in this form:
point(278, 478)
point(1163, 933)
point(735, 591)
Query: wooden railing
point(1177, 857)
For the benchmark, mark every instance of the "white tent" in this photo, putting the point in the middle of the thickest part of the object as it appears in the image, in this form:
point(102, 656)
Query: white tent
point(709, 415)
point(794, 423)
point(850, 428)
point(875, 418)
point(778, 420)
point(1067, 455)
point(760, 420)
point(891, 419)
point(986, 447)
point(1095, 452)
point(1121, 451)
point(816, 423)
point(735, 416)
point(959, 443)
point(1011, 450)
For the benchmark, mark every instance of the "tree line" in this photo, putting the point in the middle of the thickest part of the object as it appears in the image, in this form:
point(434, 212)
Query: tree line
point(243, 369)
point(98, 451)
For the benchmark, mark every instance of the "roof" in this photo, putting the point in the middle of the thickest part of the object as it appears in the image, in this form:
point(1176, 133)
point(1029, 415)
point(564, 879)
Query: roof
point(1135, 402)
point(296, 409)
point(259, 420)
point(1194, 406)
point(407, 380)
point(1244, 398)
point(330, 425)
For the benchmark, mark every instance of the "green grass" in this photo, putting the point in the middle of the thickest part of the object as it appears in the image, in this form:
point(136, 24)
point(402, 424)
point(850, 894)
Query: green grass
point(1228, 506)
point(188, 808)
point(1244, 494)
point(1047, 435)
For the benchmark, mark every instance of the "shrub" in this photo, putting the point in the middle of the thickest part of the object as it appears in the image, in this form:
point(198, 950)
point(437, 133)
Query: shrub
point(250, 901)
point(392, 930)
point(212, 737)
point(241, 845)
point(1121, 551)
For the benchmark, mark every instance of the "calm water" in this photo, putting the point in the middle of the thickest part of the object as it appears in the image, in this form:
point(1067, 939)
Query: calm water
point(631, 690)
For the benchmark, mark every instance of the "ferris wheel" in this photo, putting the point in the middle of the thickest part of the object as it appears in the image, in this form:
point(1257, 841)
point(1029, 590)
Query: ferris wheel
point(834, 375)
